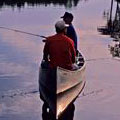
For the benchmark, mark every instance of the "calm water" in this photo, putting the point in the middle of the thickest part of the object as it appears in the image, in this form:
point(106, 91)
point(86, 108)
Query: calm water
point(20, 56)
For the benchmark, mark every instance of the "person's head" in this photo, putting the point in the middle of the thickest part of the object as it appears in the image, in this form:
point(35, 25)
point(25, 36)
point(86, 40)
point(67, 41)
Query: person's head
point(68, 18)
point(60, 27)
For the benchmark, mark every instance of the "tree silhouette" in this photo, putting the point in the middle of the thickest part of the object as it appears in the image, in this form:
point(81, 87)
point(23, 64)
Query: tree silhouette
point(21, 3)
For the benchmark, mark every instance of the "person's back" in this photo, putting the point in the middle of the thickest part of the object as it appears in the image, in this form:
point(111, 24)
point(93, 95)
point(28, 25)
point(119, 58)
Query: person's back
point(60, 50)
point(72, 34)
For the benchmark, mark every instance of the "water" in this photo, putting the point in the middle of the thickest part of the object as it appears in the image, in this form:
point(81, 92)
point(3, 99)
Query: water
point(20, 56)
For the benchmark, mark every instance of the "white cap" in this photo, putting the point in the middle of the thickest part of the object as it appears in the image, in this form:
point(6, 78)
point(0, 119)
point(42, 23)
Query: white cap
point(61, 25)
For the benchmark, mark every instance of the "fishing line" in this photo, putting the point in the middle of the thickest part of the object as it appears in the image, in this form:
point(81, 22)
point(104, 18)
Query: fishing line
point(96, 59)
point(109, 58)
point(19, 31)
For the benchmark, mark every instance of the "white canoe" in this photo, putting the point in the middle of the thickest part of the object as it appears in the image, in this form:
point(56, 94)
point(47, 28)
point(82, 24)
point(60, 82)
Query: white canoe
point(68, 85)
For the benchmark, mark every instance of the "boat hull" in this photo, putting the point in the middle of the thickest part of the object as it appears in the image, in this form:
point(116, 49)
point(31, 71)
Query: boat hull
point(68, 91)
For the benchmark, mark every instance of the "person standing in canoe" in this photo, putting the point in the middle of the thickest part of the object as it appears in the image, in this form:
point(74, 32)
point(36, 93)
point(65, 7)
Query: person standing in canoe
point(59, 49)
point(68, 18)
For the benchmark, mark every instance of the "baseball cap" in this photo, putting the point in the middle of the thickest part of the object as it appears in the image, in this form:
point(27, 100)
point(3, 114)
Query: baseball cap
point(67, 14)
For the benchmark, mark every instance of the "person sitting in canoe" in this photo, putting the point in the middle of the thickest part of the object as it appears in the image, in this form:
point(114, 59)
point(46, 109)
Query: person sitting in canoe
point(59, 49)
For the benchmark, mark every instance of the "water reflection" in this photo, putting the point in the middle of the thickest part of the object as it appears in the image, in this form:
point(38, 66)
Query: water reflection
point(22, 3)
point(67, 115)
point(108, 28)
point(112, 28)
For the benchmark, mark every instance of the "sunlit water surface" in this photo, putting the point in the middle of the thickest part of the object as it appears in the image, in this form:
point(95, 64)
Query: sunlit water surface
point(20, 56)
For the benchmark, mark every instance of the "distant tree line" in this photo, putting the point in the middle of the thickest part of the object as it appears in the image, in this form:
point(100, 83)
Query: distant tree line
point(21, 3)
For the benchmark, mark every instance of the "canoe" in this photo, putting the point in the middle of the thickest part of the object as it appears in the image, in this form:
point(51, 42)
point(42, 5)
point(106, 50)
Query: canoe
point(60, 87)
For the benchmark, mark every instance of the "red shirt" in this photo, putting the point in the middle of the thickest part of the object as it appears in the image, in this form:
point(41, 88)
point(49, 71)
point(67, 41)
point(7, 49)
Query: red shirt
point(60, 50)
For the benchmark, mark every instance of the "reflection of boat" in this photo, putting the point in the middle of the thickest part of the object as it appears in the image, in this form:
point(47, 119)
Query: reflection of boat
point(67, 115)
point(60, 91)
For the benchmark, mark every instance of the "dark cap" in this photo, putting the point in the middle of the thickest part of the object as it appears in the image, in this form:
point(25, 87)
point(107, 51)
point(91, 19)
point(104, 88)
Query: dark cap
point(67, 14)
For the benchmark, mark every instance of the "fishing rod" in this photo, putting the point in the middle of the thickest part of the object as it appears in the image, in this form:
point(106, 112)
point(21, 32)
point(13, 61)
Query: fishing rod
point(19, 31)
point(44, 40)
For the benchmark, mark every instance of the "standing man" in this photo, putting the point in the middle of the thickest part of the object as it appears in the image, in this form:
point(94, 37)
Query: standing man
point(68, 18)
point(59, 49)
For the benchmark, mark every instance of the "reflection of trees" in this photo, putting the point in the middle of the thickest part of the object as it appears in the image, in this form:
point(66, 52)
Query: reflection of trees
point(117, 0)
point(112, 28)
point(113, 23)
point(21, 3)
